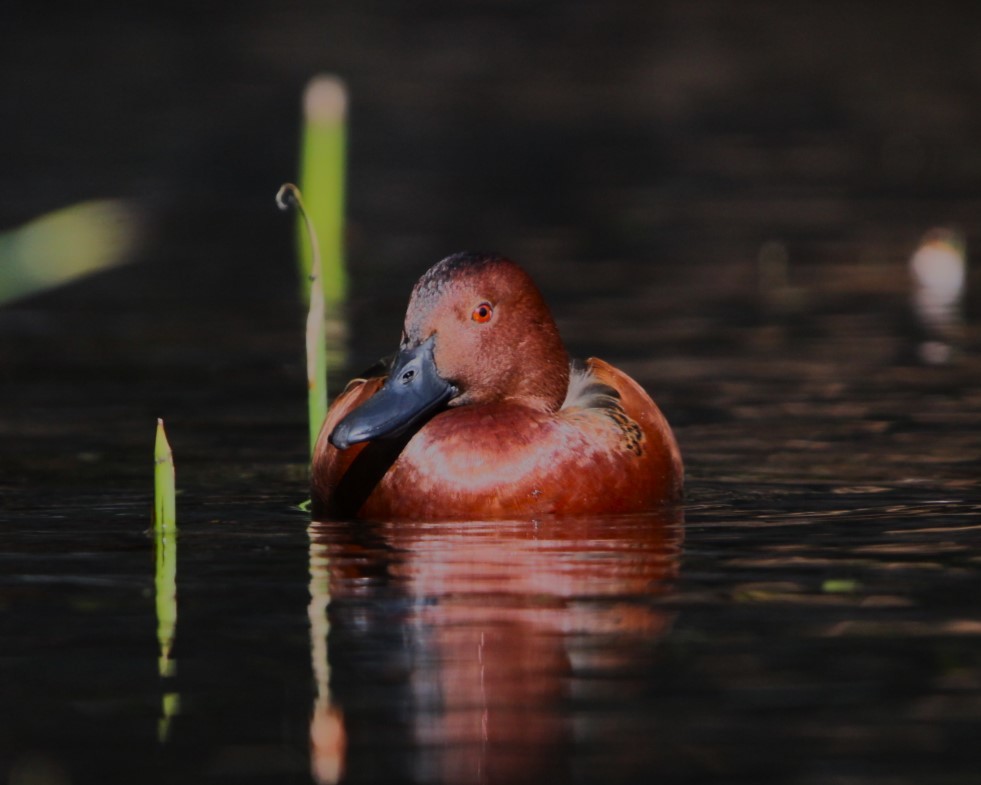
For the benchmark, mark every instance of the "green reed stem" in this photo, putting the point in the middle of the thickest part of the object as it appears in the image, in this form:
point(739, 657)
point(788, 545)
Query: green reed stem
point(58, 247)
point(165, 573)
point(316, 340)
point(322, 176)
point(164, 490)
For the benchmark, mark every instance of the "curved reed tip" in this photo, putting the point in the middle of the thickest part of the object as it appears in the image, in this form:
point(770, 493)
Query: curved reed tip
point(287, 196)
point(325, 99)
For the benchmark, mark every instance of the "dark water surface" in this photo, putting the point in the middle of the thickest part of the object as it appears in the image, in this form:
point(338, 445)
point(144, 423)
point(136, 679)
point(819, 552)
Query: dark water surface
point(723, 202)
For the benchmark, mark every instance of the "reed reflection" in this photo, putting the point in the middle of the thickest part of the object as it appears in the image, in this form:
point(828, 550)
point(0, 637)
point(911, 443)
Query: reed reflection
point(461, 651)
point(328, 740)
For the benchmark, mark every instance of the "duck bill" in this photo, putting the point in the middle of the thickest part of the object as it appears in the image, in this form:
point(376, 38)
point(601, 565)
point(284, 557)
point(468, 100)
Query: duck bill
point(413, 391)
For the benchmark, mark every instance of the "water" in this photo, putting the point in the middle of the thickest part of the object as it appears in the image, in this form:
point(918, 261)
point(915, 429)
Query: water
point(730, 222)
point(810, 616)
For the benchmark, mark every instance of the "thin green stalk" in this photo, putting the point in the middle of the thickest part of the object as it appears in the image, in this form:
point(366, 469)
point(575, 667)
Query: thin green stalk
point(164, 492)
point(322, 176)
point(316, 340)
point(165, 574)
point(165, 583)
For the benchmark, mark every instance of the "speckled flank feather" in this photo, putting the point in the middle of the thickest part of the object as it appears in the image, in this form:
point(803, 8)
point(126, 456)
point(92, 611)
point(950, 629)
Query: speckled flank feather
point(588, 392)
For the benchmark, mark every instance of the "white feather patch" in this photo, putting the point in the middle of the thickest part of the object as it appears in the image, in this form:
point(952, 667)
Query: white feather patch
point(586, 391)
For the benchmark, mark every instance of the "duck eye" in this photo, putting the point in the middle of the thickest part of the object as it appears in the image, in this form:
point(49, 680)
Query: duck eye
point(482, 313)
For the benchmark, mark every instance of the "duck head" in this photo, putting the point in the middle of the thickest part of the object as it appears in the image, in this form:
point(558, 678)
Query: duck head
point(477, 331)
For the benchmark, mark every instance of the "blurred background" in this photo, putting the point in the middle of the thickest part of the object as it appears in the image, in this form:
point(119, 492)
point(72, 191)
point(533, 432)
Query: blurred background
point(653, 164)
point(574, 129)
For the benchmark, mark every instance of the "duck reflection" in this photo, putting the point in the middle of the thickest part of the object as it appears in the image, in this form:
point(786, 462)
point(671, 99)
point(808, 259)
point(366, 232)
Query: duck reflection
point(464, 652)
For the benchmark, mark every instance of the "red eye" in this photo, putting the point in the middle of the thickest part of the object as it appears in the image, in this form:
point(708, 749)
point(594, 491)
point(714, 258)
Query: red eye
point(482, 313)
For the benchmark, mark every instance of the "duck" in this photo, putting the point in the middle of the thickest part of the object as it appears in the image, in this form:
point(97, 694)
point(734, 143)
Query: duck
point(482, 415)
